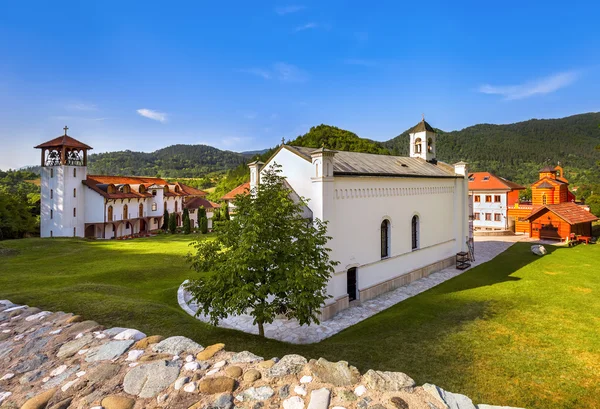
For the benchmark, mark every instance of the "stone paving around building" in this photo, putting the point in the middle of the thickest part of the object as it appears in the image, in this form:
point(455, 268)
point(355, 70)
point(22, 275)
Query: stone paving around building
point(486, 248)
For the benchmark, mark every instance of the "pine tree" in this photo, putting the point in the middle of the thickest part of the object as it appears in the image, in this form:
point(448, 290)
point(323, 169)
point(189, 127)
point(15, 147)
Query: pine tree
point(173, 223)
point(187, 228)
point(165, 224)
point(202, 220)
point(266, 261)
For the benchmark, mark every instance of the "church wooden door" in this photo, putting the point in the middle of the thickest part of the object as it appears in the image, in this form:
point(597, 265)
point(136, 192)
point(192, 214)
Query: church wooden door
point(351, 284)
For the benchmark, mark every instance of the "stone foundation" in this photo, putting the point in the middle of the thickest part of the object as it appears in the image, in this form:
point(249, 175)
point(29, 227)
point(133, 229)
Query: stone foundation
point(59, 361)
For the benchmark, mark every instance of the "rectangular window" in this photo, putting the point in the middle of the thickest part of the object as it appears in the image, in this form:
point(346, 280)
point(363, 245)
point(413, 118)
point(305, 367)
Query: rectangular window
point(154, 206)
point(477, 216)
point(74, 192)
point(497, 217)
point(497, 199)
point(477, 198)
point(488, 216)
point(74, 231)
point(51, 194)
point(51, 172)
point(488, 198)
point(74, 212)
point(74, 172)
point(51, 213)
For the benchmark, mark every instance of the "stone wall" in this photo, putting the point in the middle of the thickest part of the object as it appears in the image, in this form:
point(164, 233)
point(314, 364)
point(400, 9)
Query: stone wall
point(59, 361)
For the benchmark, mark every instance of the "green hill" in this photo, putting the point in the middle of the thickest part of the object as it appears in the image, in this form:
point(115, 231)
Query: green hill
point(176, 161)
point(517, 151)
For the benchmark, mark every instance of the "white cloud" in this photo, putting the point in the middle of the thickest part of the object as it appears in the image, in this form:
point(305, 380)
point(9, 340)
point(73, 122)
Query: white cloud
point(541, 86)
point(307, 26)
point(281, 71)
point(289, 9)
point(289, 73)
point(155, 115)
point(258, 72)
point(80, 106)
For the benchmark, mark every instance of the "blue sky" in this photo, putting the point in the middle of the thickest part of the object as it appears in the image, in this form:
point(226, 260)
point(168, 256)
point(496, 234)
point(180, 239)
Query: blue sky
point(242, 75)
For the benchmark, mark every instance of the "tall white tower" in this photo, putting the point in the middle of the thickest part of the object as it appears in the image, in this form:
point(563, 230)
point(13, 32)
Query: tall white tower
point(64, 167)
point(422, 141)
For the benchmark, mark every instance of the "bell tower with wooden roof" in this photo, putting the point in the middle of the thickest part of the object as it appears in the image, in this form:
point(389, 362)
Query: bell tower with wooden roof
point(64, 167)
point(422, 141)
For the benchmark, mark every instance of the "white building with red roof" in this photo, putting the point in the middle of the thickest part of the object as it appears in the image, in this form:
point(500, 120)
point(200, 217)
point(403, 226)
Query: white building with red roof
point(75, 204)
point(492, 196)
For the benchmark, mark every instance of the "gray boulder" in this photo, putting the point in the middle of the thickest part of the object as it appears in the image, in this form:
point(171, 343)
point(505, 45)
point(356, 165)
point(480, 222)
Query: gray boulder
point(177, 346)
point(72, 347)
point(388, 381)
point(288, 365)
point(245, 357)
point(109, 351)
point(539, 250)
point(147, 381)
point(336, 373)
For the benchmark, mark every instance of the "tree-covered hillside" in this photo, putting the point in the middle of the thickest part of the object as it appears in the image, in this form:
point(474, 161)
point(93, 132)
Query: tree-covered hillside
point(517, 151)
point(174, 161)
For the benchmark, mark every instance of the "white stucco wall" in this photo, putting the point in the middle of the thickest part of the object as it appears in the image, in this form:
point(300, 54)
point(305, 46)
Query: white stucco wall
point(297, 170)
point(493, 208)
point(359, 206)
point(57, 184)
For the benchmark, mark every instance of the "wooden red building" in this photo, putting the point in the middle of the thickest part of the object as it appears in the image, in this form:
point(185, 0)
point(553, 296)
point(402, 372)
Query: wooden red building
point(552, 213)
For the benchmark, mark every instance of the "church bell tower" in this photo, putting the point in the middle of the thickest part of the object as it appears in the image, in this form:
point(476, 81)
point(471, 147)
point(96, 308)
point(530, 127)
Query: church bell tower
point(422, 141)
point(64, 166)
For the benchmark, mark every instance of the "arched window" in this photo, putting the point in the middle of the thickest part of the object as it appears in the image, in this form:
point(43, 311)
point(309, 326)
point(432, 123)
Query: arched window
point(165, 208)
point(141, 210)
point(176, 205)
point(418, 145)
point(385, 238)
point(154, 206)
point(430, 145)
point(125, 212)
point(415, 232)
point(109, 215)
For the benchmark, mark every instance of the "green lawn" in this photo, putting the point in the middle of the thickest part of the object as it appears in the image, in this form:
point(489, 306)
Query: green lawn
point(520, 330)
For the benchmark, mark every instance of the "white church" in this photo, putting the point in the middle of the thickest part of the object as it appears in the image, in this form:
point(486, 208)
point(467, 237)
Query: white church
point(75, 204)
point(392, 219)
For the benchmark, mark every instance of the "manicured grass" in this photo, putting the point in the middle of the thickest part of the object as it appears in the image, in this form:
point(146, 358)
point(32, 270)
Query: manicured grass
point(519, 330)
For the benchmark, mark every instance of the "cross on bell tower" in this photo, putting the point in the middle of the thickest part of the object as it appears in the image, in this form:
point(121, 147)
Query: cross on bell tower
point(66, 128)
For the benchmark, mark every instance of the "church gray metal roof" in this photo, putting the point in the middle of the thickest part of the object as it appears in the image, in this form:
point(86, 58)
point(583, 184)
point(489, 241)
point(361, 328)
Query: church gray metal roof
point(369, 164)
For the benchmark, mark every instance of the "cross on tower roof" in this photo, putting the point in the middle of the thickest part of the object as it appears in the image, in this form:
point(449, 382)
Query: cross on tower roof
point(65, 128)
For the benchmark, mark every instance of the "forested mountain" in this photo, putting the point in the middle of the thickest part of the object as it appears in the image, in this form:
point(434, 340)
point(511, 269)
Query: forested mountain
point(517, 151)
point(188, 161)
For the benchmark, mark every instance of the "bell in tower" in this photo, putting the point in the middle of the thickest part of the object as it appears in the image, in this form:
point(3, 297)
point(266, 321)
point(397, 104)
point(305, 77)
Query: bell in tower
point(64, 166)
point(422, 141)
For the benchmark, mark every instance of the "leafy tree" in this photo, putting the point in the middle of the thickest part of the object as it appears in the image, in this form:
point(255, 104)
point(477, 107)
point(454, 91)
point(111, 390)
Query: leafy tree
point(187, 228)
point(173, 223)
point(594, 203)
point(266, 261)
point(165, 225)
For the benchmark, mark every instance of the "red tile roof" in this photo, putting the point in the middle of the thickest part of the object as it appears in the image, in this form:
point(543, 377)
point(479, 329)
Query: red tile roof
point(569, 212)
point(242, 189)
point(196, 202)
point(99, 184)
point(64, 140)
point(489, 181)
